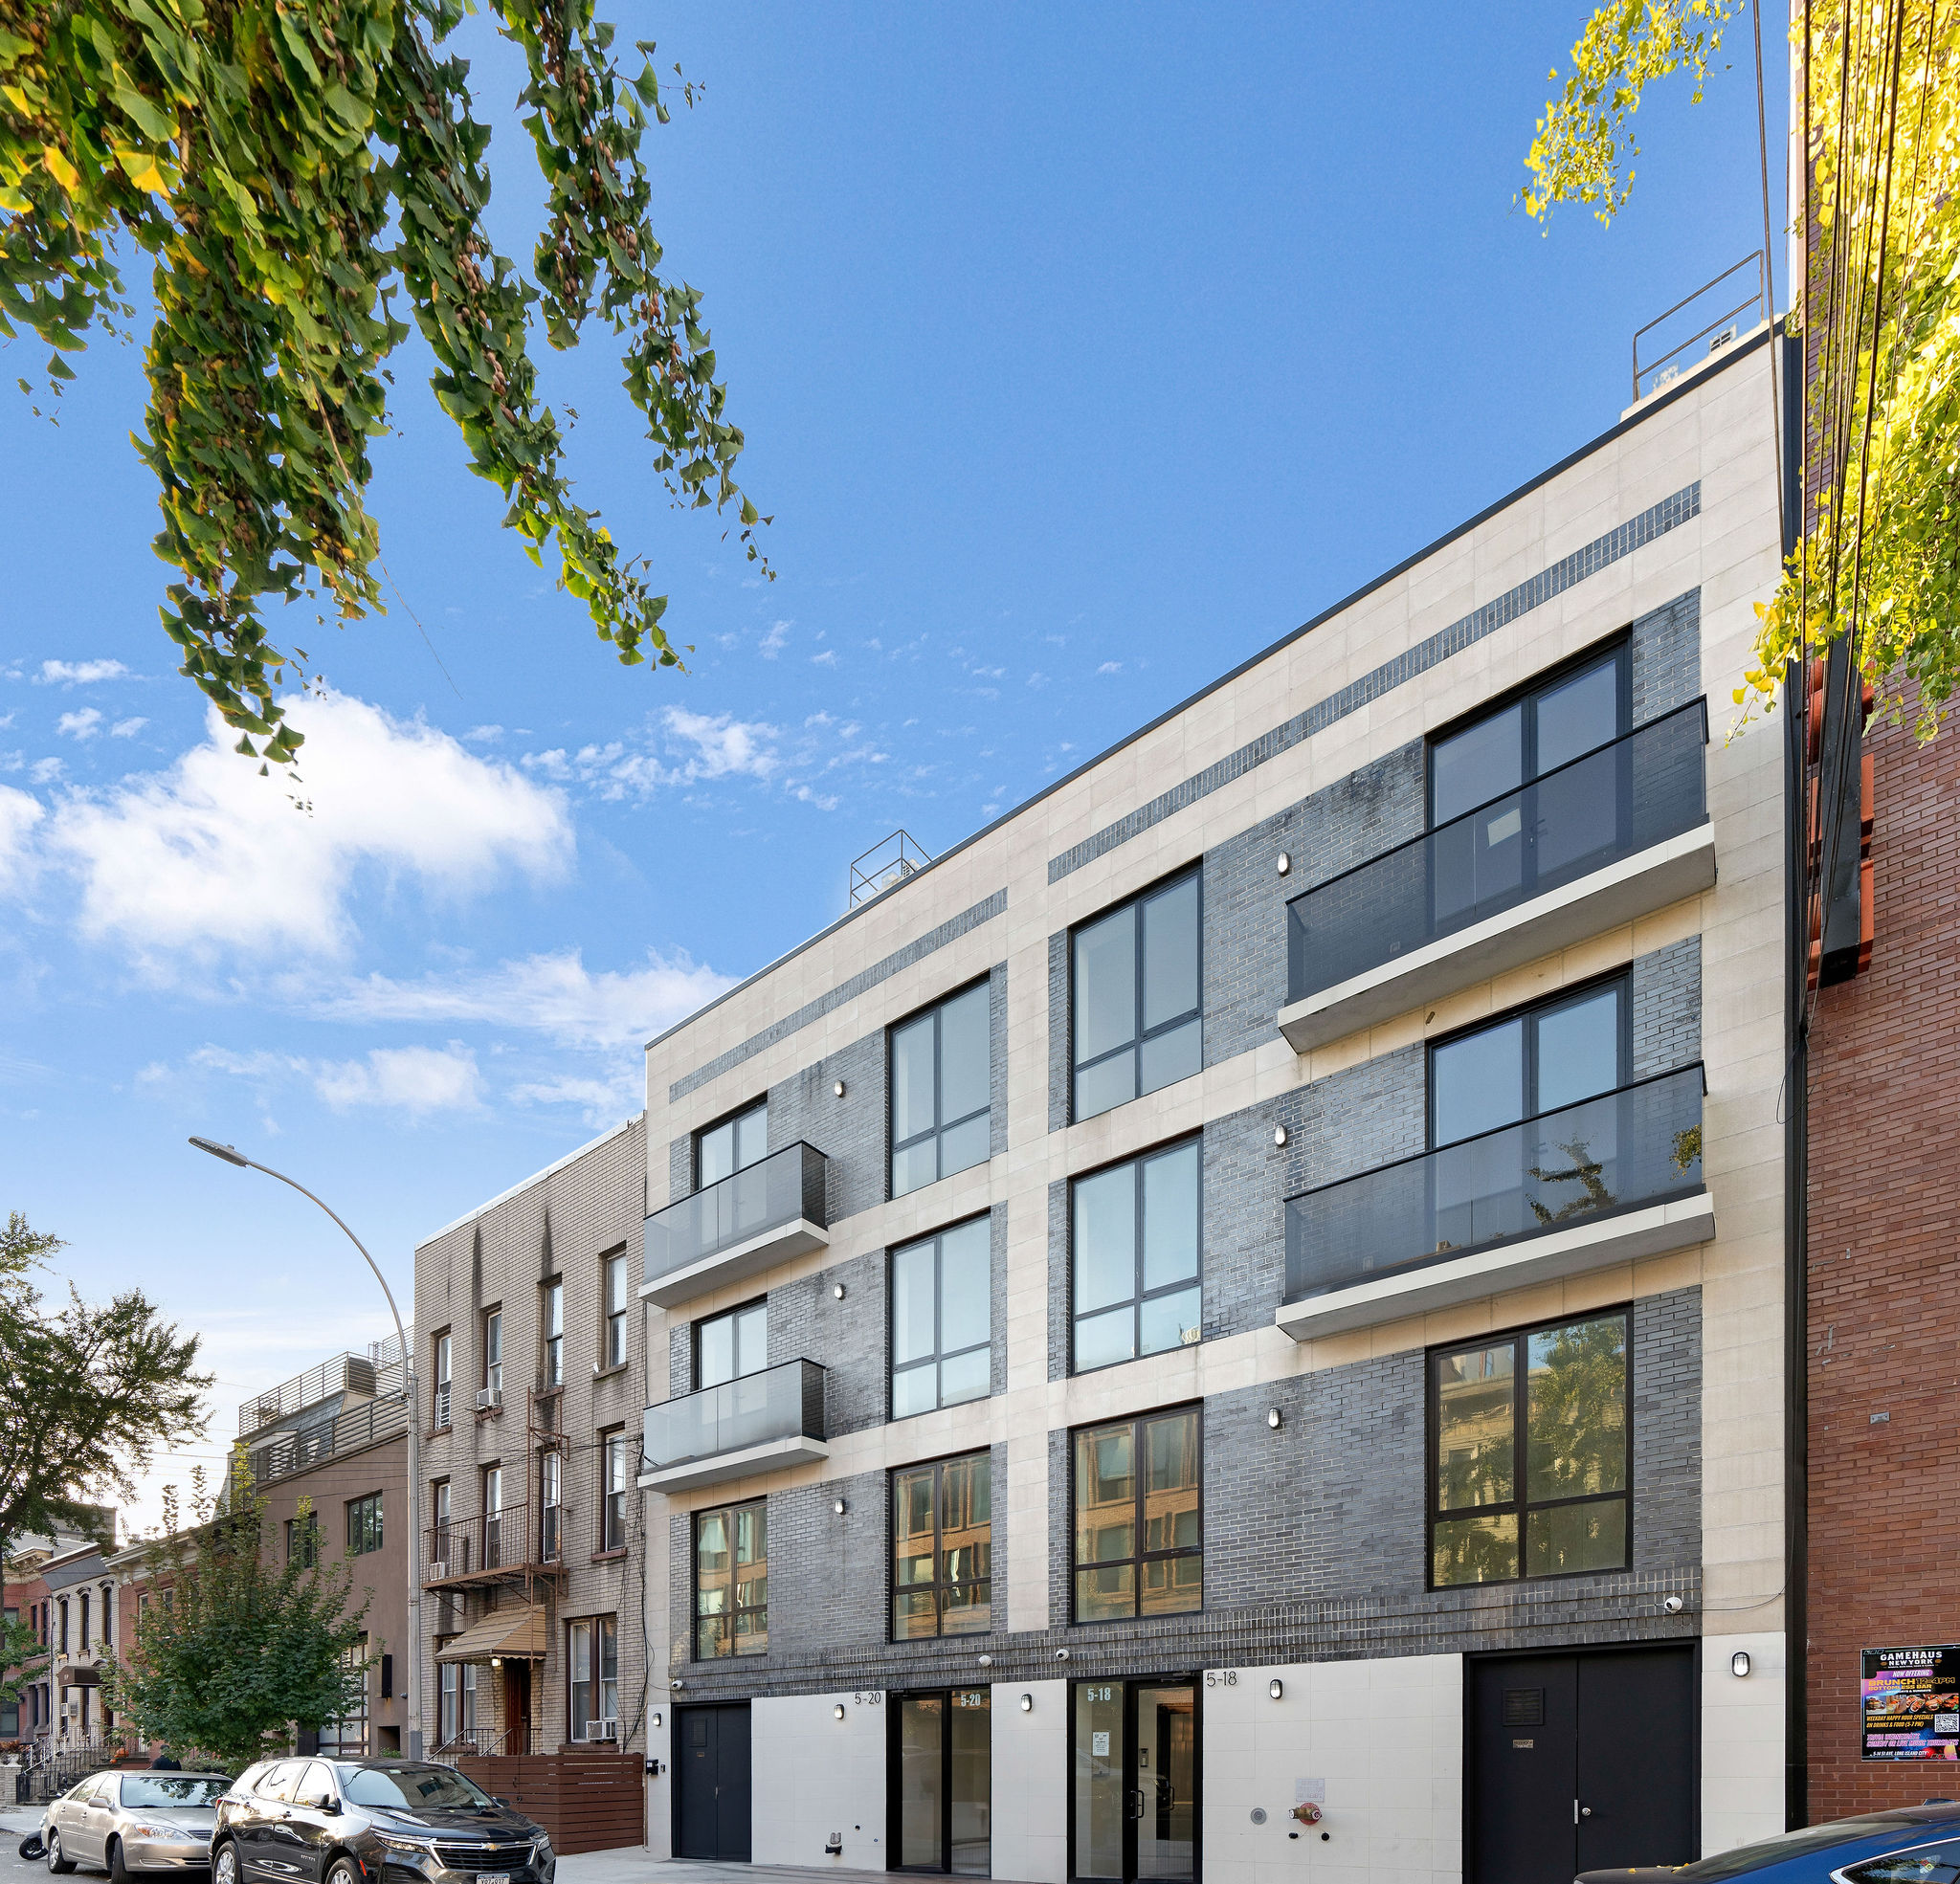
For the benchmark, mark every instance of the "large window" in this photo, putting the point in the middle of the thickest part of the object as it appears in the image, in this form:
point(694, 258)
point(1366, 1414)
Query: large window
point(1135, 1258)
point(615, 1453)
point(302, 1539)
point(1139, 1531)
point(941, 1320)
point(457, 1712)
point(1558, 721)
point(731, 1581)
point(942, 1077)
point(615, 1294)
point(553, 1320)
point(942, 1548)
point(732, 1145)
point(345, 1737)
point(1137, 983)
point(727, 1346)
point(593, 1664)
point(363, 1524)
point(1554, 1054)
point(1529, 1455)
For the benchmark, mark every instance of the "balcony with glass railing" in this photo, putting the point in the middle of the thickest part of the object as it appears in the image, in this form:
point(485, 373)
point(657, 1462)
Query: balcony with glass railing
point(748, 1222)
point(1607, 1181)
point(758, 1423)
point(1614, 835)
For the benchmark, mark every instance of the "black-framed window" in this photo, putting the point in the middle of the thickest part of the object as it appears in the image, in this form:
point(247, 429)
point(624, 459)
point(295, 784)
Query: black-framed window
point(942, 1084)
point(363, 1524)
point(493, 1349)
point(941, 1320)
point(615, 1455)
point(732, 1343)
point(553, 1317)
point(302, 1539)
point(1139, 1516)
point(1551, 1055)
point(551, 1505)
point(943, 1547)
point(731, 1581)
point(1574, 711)
point(1531, 1453)
point(614, 1292)
point(1135, 1256)
point(737, 1142)
point(1137, 992)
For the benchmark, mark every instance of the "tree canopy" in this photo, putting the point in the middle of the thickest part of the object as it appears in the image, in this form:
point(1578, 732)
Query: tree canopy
point(92, 1393)
point(293, 170)
point(239, 1650)
point(1878, 557)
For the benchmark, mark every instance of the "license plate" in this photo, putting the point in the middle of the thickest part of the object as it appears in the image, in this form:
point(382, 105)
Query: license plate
point(493, 1877)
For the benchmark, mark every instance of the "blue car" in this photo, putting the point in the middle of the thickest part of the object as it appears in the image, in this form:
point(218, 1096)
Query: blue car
point(1908, 1845)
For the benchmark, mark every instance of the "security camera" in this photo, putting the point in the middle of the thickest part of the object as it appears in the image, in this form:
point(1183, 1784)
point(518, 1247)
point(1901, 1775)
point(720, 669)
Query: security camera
point(1673, 1604)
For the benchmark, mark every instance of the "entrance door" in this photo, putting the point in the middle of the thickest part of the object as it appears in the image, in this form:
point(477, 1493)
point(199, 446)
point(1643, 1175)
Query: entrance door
point(1135, 1808)
point(942, 1782)
point(711, 1793)
point(517, 1707)
point(1582, 1762)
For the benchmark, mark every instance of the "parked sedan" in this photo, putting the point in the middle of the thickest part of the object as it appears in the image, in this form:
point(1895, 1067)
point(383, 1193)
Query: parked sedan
point(1912, 1844)
point(134, 1822)
point(361, 1821)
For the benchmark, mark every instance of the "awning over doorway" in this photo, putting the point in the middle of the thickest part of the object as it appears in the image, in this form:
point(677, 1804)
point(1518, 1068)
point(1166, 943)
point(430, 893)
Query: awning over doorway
point(514, 1634)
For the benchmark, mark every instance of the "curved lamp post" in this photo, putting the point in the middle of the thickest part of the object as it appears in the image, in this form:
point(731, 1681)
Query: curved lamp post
point(232, 1155)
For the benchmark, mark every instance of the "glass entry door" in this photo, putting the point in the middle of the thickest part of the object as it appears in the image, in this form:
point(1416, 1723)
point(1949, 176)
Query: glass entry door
point(1136, 1780)
point(942, 1782)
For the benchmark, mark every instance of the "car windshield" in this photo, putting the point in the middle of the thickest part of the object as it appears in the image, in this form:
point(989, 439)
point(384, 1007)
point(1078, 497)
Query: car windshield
point(410, 1788)
point(150, 1790)
point(1746, 1858)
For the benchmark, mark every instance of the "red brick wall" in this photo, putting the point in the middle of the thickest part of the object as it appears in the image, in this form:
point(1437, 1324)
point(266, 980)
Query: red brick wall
point(1884, 1280)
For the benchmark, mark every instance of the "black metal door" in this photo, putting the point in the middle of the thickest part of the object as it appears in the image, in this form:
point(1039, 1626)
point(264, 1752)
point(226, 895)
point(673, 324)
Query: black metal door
point(1582, 1762)
point(711, 1793)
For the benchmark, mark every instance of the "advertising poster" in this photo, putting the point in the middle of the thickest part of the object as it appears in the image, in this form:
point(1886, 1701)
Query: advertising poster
point(1911, 1701)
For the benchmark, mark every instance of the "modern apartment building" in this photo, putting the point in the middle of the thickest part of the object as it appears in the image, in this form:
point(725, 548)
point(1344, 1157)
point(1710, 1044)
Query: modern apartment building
point(532, 1381)
point(1236, 1319)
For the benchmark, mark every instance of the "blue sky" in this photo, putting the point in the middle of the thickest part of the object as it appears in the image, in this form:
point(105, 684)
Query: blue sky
point(1081, 352)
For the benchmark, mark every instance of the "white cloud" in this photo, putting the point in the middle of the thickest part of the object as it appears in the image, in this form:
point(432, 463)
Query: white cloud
point(127, 729)
point(209, 854)
point(79, 674)
point(44, 771)
point(602, 1102)
point(483, 735)
point(1110, 667)
point(827, 658)
point(83, 725)
point(20, 814)
point(772, 641)
point(416, 1080)
point(697, 746)
point(555, 995)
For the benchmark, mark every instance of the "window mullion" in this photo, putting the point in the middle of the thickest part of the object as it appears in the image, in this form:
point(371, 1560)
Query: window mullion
point(1520, 1467)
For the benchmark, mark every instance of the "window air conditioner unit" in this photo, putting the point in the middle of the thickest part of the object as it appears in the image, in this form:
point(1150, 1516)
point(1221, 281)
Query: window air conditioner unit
point(439, 1569)
point(488, 1398)
point(602, 1730)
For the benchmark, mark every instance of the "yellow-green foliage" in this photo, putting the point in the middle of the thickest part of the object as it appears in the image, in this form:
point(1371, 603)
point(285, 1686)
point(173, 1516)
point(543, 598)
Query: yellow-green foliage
point(293, 167)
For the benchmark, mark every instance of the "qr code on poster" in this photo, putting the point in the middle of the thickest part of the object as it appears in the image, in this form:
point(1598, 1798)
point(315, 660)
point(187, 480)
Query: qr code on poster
point(1946, 1723)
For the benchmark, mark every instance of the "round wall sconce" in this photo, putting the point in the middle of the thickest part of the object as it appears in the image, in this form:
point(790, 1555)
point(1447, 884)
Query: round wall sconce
point(1279, 1135)
point(838, 1292)
point(1282, 863)
point(1275, 1687)
point(1027, 1704)
point(657, 1720)
point(841, 1507)
point(838, 1710)
point(839, 1089)
point(1739, 1663)
point(1275, 1418)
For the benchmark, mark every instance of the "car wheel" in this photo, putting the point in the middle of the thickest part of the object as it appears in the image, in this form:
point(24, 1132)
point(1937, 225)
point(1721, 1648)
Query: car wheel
point(119, 1871)
point(59, 1865)
point(343, 1871)
point(223, 1864)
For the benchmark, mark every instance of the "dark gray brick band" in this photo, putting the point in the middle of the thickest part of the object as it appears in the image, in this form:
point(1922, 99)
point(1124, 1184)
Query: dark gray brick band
point(1597, 555)
point(814, 1010)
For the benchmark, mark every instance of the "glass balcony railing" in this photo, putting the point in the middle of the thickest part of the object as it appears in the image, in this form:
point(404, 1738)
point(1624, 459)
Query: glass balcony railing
point(1622, 1151)
point(1612, 804)
point(785, 1401)
point(773, 1193)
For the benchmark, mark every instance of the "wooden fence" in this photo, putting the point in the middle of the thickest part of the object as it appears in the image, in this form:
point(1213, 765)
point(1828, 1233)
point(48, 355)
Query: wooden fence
point(587, 1801)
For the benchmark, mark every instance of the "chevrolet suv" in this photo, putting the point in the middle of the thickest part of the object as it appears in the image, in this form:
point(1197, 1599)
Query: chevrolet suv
point(324, 1821)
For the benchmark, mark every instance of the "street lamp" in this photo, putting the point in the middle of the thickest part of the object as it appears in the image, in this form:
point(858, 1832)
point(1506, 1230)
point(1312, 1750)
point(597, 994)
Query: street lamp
point(232, 1155)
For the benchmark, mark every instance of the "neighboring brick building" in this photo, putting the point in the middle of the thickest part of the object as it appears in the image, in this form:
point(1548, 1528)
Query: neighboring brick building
point(1884, 1307)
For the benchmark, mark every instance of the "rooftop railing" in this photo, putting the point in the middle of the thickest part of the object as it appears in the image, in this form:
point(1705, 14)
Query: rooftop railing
point(1609, 803)
point(365, 1424)
point(774, 1192)
point(779, 1403)
point(1622, 1151)
point(377, 1370)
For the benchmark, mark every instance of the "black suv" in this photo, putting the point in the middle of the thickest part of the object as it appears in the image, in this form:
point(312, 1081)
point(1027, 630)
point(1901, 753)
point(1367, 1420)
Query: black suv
point(371, 1822)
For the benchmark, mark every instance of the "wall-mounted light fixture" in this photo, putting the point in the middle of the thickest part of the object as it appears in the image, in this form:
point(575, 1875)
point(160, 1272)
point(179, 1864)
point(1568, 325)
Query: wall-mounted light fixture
point(986, 1661)
point(838, 1710)
point(1279, 1135)
point(838, 1292)
point(839, 1089)
point(1282, 863)
point(1027, 1704)
point(1739, 1663)
point(1275, 1418)
point(1275, 1687)
point(841, 1507)
point(657, 1720)
point(496, 1661)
